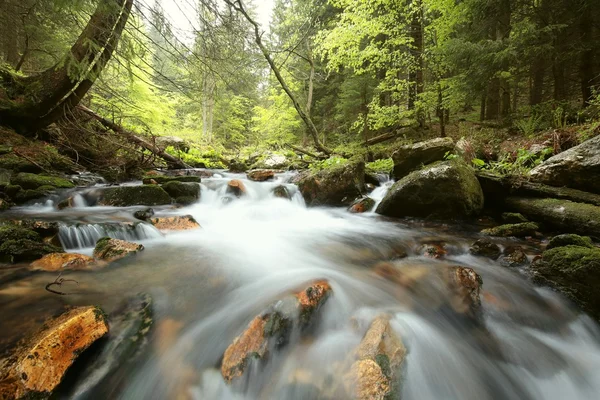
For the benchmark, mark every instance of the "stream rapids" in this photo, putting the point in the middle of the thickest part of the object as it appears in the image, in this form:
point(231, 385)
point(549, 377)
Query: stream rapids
point(207, 284)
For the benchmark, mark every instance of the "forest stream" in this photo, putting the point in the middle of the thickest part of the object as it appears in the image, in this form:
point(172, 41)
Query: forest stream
point(205, 285)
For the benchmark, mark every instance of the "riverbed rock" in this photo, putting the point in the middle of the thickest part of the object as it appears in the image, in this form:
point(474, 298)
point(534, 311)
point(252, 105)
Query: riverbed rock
point(34, 181)
point(575, 271)
point(37, 367)
point(177, 223)
point(281, 192)
point(379, 357)
point(485, 248)
point(144, 214)
point(578, 168)
point(161, 179)
point(109, 249)
point(335, 186)
point(465, 290)
point(182, 189)
point(271, 330)
point(444, 190)
point(523, 229)
point(362, 205)
point(560, 214)
point(260, 175)
point(124, 196)
point(19, 244)
point(237, 166)
point(433, 250)
point(413, 156)
point(41, 227)
point(569, 239)
point(513, 256)
point(513, 218)
point(236, 187)
point(64, 262)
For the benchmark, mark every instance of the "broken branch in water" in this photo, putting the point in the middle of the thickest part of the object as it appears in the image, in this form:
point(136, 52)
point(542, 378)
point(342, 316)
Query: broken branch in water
point(59, 281)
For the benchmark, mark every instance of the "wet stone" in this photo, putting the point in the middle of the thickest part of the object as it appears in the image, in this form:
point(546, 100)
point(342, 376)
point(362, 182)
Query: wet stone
point(513, 256)
point(362, 205)
point(177, 223)
point(281, 192)
point(236, 187)
point(260, 175)
point(64, 262)
point(144, 215)
point(485, 248)
point(108, 249)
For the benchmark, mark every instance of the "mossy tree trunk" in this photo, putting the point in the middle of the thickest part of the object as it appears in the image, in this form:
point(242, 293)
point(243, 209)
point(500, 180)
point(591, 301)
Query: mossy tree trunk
point(33, 102)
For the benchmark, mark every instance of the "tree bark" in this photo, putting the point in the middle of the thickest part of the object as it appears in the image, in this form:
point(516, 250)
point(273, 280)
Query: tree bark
point(586, 66)
point(36, 101)
point(134, 138)
point(537, 81)
point(493, 99)
point(312, 129)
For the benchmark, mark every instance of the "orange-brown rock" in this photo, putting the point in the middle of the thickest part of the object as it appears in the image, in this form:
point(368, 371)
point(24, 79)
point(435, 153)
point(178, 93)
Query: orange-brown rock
point(376, 372)
point(108, 249)
point(465, 287)
point(236, 187)
point(38, 366)
point(260, 175)
point(64, 262)
point(271, 330)
point(362, 205)
point(178, 223)
point(433, 250)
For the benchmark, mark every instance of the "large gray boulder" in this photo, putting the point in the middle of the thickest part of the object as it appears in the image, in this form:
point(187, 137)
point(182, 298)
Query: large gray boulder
point(578, 167)
point(335, 186)
point(444, 190)
point(412, 157)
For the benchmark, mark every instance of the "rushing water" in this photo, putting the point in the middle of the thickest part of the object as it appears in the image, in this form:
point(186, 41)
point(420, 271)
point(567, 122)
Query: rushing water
point(207, 284)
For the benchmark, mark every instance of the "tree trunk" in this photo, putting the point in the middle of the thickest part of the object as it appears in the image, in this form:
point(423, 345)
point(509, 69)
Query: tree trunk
point(312, 129)
point(537, 81)
point(505, 105)
point(493, 99)
point(36, 101)
point(416, 80)
point(482, 107)
point(586, 66)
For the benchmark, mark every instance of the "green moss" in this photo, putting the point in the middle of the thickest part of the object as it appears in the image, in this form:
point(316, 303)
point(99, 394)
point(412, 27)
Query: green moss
point(17, 164)
point(160, 179)
point(25, 250)
point(513, 218)
point(574, 261)
point(150, 195)
point(12, 190)
point(5, 150)
point(516, 230)
point(186, 200)
point(34, 181)
point(334, 186)
point(13, 232)
point(29, 194)
point(46, 188)
point(570, 240)
point(182, 189)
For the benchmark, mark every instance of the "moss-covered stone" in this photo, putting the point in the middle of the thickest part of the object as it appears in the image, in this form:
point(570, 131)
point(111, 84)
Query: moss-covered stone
point(517, 230)
point(336, 186)
point(17, 164)
point(25, 250)
point(237, 166)
point(569, 239)
point(34, 181)
point(14, 232)
point(444, 190)
point(26, 195)
point(149, 195)
point(186, 200)
point(109, 249)
point(513, 218)
point(560, 214)
point(574, 270)
point(411, 157)
point(182, 189)
point(160, 179)
point(5, 150)
point(12, 190)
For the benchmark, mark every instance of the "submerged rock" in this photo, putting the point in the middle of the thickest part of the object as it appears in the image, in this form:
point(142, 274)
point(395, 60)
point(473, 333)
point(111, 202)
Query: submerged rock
point(575, 271)
point(485, 248)
point(272, 329)
point(412, 157)
point(433, 250)
point(182, 189)
point(514, 256)
point(149, 195)
point(236, 187)
point(569, 239)
point(64, 262)
point(578, 168)
point(108, 249)
point(177, 223)
point(260, 175)
point(144, 215)
point(444, 190)
point(36, 368)
point(517, 230)
point(362, 205)
point(282, 192)
point(379, 357)
point(335, 186)
point(560, 214)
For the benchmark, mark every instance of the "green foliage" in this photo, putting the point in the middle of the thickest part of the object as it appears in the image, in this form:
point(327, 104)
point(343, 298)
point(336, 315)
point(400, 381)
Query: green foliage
point(385, 165)
point(331, 162)
point(530, 125)
point(520, 164)
point(197, 158)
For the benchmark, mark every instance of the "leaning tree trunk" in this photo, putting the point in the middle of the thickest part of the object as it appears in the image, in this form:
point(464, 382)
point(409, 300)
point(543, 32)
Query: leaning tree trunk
point(30, 103)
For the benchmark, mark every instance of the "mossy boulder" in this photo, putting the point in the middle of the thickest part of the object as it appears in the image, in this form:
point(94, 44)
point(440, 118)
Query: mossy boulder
point(443, 190)
point(182, 189)
point(17, 164)
point(149, 195)
point(160, 179)
point(186, 200)
point(559, 214)
point(109, 249)
point(14, 251)
point(34, 181)
point(14, 232)
point(575, 271)
point(336, 186)
point(578, 168)
point(26, 195)
point(237, 166)
point(412, 157)
point(513, 218)
point(517, 230)
point(569, 239)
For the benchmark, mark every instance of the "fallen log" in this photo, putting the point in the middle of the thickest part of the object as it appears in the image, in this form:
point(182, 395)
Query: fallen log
point(134, 138)
point(386, 136)
point(302, 151)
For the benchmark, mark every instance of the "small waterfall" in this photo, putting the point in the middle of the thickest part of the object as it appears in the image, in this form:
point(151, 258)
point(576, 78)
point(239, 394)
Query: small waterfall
point(81, 236)
point(380, 191)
